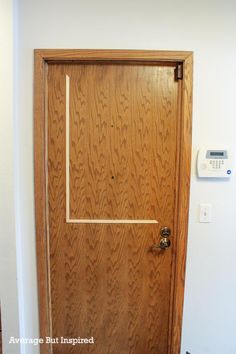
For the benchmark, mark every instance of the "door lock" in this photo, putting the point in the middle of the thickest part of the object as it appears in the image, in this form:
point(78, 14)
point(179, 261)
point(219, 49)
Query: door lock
point(165, 232)
point(164, 241)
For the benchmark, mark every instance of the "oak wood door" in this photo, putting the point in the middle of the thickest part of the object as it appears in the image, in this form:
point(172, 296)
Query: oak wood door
point(112, 176)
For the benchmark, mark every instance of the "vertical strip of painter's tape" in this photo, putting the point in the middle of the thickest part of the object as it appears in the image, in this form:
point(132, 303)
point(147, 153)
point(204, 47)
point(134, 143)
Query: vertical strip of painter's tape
point(67, 148)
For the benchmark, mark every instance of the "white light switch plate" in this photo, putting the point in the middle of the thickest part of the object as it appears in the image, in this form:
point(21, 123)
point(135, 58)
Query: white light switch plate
point(205, 213)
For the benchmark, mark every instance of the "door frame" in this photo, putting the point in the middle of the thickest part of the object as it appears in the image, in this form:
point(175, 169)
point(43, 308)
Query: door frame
point(42, 58)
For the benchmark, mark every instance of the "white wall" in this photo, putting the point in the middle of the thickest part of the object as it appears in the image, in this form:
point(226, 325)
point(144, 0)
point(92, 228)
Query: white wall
point(8, 263)
point(209, 29)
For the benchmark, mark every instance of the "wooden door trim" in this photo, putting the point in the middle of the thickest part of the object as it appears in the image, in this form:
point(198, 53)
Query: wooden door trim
point(42, 58)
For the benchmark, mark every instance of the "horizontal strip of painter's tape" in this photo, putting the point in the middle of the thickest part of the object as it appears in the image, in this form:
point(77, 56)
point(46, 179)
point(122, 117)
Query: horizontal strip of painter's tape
point(112, 221)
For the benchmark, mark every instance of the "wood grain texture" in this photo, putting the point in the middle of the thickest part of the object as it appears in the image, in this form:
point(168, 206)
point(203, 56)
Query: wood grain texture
point(136, 146)
point(109, 306)
point(110, 55)
point(182, 205)
point(122, 131)
point(40, 197)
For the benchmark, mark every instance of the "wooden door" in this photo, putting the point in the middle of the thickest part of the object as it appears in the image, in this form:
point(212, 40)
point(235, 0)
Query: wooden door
point(112, 158)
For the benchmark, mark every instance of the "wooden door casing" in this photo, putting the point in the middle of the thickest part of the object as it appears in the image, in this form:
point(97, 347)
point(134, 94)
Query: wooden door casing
point(97, 249)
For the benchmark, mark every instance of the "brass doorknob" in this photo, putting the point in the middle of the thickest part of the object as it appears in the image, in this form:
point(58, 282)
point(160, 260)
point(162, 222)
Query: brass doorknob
point(164, 243)
point(165, 232)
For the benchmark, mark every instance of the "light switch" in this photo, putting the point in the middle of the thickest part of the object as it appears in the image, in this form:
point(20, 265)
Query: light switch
point(205, 213)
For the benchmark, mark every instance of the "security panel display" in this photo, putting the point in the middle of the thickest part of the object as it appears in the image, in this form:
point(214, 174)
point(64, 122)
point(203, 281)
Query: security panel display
point(214, 163)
